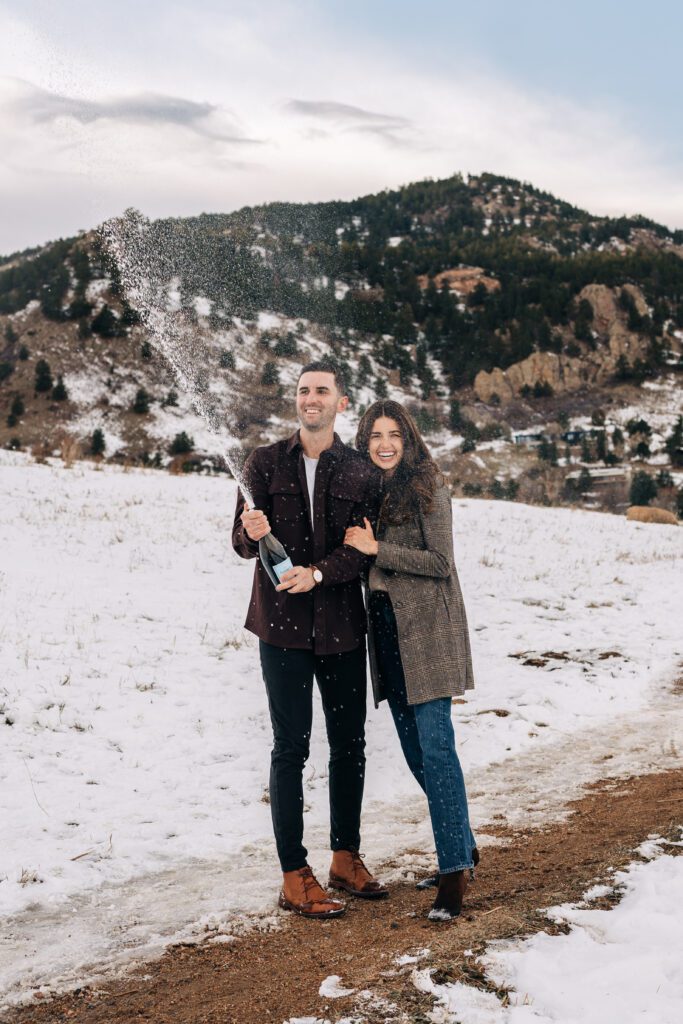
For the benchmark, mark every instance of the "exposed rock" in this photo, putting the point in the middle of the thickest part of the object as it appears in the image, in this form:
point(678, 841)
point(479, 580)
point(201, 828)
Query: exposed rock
point(462, 280)
point(569, 373)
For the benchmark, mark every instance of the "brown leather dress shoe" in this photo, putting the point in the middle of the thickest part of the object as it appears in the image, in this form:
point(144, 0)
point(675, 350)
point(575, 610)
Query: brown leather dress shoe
point(302, 893)
point(348, 872)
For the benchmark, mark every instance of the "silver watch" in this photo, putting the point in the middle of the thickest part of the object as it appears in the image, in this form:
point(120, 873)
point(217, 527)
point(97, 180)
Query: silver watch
point(317, 575)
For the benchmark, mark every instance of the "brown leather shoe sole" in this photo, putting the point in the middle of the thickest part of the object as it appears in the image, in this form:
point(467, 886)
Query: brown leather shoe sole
point(303, 909)
point(365, 894)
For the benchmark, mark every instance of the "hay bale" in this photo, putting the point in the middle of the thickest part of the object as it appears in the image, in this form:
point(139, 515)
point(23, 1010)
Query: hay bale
point(645, 514)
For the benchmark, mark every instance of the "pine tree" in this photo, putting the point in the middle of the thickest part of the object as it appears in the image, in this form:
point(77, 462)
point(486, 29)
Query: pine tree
point(181, 444)
point(59, 392)
point(674, 443)
point(24, 353)
point(364, 370)
point(10, 334)
point(601, 448)
point(43, 380)
point(171, 399)
point(16, 411)
point(141, 402)
point(97, 442)
point(643, 489)
point(146, 351)
point(270, 375)
point(586, 453)
point(105, 323)
point(583, 484)
point(226, 360)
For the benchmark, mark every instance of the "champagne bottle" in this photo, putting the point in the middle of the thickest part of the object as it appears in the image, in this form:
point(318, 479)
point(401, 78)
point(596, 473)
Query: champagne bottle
point(274, 558)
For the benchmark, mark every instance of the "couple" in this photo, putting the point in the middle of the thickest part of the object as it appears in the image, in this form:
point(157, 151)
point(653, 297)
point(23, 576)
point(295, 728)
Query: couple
point(381, 512)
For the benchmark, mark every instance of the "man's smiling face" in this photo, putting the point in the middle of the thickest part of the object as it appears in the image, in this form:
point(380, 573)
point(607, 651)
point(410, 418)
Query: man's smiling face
point(318, 401)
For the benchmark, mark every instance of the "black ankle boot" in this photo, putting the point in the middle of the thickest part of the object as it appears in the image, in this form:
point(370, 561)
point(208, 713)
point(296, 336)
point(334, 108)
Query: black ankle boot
point(432, 881)
point(448, 902)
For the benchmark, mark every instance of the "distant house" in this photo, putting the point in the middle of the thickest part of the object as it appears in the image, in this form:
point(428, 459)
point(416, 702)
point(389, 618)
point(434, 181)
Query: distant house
point(599, 473)
point(527, 439)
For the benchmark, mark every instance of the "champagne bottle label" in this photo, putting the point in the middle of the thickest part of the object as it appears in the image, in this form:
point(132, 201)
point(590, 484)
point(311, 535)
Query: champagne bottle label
point(282, 567)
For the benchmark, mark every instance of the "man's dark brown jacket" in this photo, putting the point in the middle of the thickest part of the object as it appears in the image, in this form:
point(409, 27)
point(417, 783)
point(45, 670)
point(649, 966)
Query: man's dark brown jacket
point(330, 618)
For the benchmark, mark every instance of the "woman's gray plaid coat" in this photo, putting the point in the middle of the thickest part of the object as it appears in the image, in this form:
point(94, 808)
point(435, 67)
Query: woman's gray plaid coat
point(419, 571)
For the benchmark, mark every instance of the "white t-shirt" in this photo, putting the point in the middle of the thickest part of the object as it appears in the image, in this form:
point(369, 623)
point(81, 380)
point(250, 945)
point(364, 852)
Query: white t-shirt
point(311, 466)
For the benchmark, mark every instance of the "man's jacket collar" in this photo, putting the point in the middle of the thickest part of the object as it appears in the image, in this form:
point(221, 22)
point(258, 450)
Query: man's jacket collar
point(336, 449)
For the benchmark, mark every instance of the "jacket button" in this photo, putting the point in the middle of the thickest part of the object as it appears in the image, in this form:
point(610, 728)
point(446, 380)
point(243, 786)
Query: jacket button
point(398, 604)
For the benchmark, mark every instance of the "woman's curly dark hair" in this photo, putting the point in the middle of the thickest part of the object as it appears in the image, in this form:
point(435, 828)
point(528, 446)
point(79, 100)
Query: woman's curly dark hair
point(413, 484)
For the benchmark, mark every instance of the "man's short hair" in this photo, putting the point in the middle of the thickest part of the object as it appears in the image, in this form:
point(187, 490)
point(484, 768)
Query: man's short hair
point(328, 366)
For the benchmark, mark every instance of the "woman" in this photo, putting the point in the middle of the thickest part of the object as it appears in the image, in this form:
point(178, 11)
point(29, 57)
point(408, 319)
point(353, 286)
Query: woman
point(417, 631)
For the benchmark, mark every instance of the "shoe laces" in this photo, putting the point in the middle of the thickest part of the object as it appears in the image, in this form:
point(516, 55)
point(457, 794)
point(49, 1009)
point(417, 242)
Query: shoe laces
point(310, 882)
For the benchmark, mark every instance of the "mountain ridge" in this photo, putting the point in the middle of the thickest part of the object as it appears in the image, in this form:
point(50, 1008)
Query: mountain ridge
point(484, 294)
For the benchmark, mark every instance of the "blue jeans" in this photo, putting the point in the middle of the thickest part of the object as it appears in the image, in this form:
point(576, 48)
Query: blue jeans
point(428, 743)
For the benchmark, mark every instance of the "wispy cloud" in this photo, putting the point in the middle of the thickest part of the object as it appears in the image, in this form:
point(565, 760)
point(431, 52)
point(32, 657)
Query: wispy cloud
point(348, 118)
point(208, 120)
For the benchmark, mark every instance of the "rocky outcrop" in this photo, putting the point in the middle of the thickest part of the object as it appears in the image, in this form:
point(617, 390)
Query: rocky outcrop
point(569, 373)
point(461, 280)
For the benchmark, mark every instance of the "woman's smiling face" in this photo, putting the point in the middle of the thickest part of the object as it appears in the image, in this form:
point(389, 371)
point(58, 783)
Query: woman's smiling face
point(385, 444)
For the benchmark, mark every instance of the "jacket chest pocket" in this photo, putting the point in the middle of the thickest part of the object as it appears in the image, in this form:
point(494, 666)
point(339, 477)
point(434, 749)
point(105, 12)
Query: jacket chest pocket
point(286, 503)
point(339, 506)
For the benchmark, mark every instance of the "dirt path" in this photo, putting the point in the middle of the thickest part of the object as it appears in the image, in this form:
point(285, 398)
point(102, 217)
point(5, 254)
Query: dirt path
point(277, 975)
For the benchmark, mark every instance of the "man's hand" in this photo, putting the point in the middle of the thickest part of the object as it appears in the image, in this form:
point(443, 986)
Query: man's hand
point(298, 580)
point(361, 538)
point(255, 523)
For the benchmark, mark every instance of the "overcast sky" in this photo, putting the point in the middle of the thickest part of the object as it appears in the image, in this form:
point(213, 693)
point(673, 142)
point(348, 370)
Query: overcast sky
point(180, 108)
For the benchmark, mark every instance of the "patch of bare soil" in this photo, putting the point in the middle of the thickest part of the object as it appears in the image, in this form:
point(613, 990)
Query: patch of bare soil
point(275, 976)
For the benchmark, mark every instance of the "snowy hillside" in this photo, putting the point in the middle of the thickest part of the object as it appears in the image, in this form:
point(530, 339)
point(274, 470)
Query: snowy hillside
point(133, 721)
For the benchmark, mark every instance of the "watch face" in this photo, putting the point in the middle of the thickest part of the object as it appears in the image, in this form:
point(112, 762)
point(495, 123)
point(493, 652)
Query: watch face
point(317, 576)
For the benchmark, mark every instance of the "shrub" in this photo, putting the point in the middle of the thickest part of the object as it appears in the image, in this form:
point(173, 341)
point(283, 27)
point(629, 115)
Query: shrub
point(181, 444)
point(542, 389)
point(24, 353)
point(10, 334)
point(141, 402)
point(6, 370)
point(226, 360)
point(146, 350)
point(468, 445)
point(643, 489)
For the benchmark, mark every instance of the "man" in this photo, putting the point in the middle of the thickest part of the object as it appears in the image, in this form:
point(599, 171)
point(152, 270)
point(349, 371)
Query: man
point(311, 487)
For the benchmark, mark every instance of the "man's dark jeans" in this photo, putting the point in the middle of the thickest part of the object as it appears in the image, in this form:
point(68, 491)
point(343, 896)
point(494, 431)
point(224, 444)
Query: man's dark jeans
point(341, 678)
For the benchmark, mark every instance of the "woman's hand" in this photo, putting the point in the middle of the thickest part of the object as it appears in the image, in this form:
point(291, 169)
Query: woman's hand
point(362, 538)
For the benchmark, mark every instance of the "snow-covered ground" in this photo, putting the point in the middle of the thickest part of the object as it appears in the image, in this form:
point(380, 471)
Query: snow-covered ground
point(134, 728)
point(613, 966)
